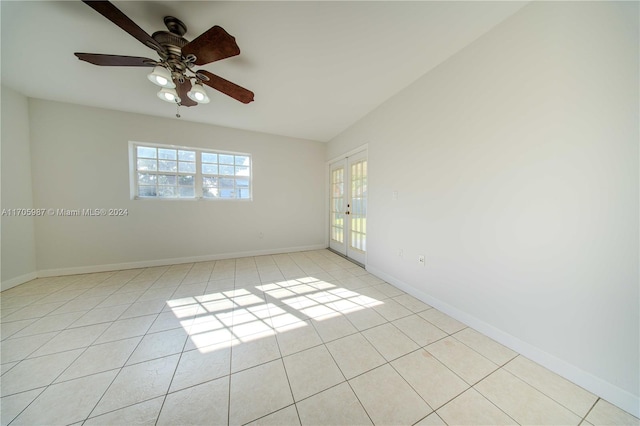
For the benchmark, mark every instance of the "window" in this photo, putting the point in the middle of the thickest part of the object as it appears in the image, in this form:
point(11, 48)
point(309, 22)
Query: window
point(172, 172)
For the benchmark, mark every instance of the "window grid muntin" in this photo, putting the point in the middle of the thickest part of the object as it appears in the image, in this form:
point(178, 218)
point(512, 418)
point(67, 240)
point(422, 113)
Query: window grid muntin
point(226, 172)
point(163, 174)
point(192, 158)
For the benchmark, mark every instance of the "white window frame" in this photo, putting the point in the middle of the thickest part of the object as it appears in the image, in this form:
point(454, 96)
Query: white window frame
point(198, 175)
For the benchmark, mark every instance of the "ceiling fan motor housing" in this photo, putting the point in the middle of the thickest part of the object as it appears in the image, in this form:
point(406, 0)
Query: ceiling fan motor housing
point(172, 44)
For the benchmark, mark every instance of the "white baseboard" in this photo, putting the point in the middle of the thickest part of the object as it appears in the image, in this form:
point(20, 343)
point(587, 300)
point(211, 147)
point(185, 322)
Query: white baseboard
point(605, 390)
point(7, 284)
point(174, 261)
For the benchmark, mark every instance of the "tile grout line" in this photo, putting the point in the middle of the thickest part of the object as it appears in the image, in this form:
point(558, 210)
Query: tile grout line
point(293, 398)
point(62, 372)
point(128, 358)
point(358, 331)
point(37, 318)
point(310, 263)
point(164, 397)
point(152, 359)
point(549, 396)
point(584, 419)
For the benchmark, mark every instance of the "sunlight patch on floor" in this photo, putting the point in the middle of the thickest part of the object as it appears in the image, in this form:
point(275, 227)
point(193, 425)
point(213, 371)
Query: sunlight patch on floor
point(228, 318)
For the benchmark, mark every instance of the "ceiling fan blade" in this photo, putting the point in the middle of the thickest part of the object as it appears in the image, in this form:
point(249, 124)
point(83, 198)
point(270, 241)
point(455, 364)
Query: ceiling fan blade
point(212, 45)
point(182, 89)
point(228, 88)
point(115, 60)
point(112, 13)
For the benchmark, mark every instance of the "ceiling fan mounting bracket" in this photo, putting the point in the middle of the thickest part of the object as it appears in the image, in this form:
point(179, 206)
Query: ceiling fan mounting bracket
point(175, 25)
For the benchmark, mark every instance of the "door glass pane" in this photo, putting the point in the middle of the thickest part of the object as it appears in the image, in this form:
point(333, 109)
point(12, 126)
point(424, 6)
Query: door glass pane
point(358, 201)
point(337, 212)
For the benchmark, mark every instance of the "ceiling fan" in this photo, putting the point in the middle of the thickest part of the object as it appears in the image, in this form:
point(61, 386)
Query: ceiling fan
point(173, 71)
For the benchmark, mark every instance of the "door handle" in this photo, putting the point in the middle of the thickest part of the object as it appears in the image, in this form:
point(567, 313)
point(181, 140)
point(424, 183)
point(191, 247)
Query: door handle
point(347, 212)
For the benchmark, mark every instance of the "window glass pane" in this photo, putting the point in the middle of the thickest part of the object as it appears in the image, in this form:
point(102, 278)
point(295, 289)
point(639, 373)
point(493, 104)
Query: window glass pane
point(167, 154)
point(185, 180)
point(242, 171)
point(146, 179)
point(210, 192)
point(167, 191)
point(168, 172)
point(167, 166)
point(147, 165)
point(146, 191)
point(242, 160)
point(187, 192)
point(208, 157)
point(227, 170)
point(228, 183)
point(187, 155)
point(226, 188)
point(166, 179)
point(210, 169)
point(186, 167)
point(226, 159)
point(209, 181)
point(146, 152)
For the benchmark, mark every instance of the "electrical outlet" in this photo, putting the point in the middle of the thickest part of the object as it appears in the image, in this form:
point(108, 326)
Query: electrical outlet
point(421, 259)
point(400, 253)
point(395, 195)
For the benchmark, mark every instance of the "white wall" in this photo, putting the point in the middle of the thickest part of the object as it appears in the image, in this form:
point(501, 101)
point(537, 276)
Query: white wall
point(18, 251)
point(80, 160)
point(516, 163)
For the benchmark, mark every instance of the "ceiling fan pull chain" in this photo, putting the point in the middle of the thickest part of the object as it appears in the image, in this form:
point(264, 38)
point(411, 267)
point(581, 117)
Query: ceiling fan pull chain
point(177, 110)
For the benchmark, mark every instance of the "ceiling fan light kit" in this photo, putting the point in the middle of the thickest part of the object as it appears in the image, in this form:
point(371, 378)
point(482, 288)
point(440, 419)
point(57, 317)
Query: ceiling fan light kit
point(198, 94)
point(174, 72)
point(161, 76)
point(169, 95)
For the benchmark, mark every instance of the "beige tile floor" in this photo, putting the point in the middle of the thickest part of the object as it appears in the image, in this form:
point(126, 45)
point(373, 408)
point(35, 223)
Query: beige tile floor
point(300, 338)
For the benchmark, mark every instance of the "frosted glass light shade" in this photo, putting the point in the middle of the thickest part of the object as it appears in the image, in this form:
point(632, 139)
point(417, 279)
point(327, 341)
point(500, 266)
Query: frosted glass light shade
point(197, 94)
point(161, 76)
point(169, 95)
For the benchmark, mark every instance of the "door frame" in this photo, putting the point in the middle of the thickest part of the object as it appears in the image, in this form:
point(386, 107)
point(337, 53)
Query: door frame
point(327, 217)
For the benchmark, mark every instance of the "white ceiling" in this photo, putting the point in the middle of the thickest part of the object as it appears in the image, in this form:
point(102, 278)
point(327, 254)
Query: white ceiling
point(315, 67)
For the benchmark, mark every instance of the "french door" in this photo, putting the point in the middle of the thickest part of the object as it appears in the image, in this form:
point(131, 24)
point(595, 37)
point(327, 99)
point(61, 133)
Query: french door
point(348, 207)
